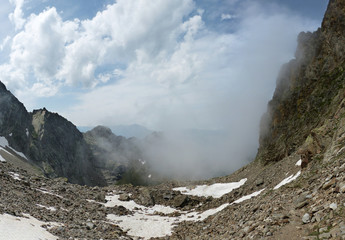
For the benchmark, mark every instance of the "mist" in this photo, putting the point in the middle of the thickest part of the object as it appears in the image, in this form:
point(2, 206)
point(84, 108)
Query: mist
point(199, 73)
point(195, 155)
point(206, 95)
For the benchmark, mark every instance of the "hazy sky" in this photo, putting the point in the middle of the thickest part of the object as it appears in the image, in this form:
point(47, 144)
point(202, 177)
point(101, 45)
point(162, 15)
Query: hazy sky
point(207, 64)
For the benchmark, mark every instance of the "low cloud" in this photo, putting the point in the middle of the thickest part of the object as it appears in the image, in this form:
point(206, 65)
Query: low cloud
point(159, 64)
point(226, 16)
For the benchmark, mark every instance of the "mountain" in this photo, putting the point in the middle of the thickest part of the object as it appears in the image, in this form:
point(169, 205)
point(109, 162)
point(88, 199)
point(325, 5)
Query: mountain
point(294, 189)
point(120, 159)
point(59, 148)
point(305, 112)
point(127, 131)
point(133, 130)
point(49, 141)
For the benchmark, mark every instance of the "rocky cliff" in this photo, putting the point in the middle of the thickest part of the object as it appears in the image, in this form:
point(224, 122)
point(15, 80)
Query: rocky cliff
point(59, 148)
point(120, 159)
point(48, 140)
point(294, 190)
point(15, 121)
point(307, 105)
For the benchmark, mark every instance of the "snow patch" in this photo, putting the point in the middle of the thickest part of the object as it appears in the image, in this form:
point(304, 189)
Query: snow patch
point(53, 209)
point(27, 132)
point(150, 222)
point(254, 194)
point(2, 159)
point(10, 134)
point(19, 153)
point(215, 190)
point(299, 162)
point(15, 176)
point(3, 142)
point(141, 161)
point(24, 228)
point(287, 180)
point(146, 222)
point(45, 191)
point(113, 201)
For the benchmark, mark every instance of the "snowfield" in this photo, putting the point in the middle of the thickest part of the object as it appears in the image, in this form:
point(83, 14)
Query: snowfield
point(146, 222)
point(254, 194)
point(3, 145)
point(299, 162)
point(287, 180)
point(24, 228)
point(215, 190)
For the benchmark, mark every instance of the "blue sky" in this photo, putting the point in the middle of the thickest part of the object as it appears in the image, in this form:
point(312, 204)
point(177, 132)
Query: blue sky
point(162, 64)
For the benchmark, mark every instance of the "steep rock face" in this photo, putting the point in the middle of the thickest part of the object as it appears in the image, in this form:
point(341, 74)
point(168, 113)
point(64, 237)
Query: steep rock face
point(48, 140)
point(60, 149)
point(119, 158)
point(306, 106)
point(14, 120)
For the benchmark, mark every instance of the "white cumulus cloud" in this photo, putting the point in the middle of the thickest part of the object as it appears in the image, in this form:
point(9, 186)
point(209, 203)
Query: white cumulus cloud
point(17, 16)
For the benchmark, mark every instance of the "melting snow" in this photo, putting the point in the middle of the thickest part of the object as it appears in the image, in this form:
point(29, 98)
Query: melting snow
point(19, 153)
point(287, 180)
point(113, 201)
point(53, 209)
point(146, 223)
point(15, 176)
point(216, 190)
point(28, 228)
point(299, 162)
point(43, 190)
point(3, 142)
point(254, 194)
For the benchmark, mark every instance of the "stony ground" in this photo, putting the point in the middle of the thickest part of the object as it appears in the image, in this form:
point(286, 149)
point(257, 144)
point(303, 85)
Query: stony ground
point(310, 207)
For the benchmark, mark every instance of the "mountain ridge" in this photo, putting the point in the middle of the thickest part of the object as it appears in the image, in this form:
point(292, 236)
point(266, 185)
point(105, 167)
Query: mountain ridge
point(293, 190)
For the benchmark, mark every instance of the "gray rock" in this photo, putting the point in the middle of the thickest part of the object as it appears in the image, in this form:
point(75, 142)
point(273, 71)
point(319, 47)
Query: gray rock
point(306, 218)
point(145, 197)
point(124, 197)
point(325, 236)
point(342, 187)
point(335, 232)
point(333, 206)
point(180, 201)
point(301, 205)
point(90, 225)
point(328, 184)
point(259, 181)
point(301, 201)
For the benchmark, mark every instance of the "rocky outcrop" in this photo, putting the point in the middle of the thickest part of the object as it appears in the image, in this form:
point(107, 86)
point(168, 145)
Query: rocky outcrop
point(48, 140)
point(310, 90)
point(119, 159)
point(14, 120)
point(59, 148)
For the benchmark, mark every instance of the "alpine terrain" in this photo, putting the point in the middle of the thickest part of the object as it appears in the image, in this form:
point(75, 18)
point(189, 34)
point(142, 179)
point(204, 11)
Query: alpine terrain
point(59, 183)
